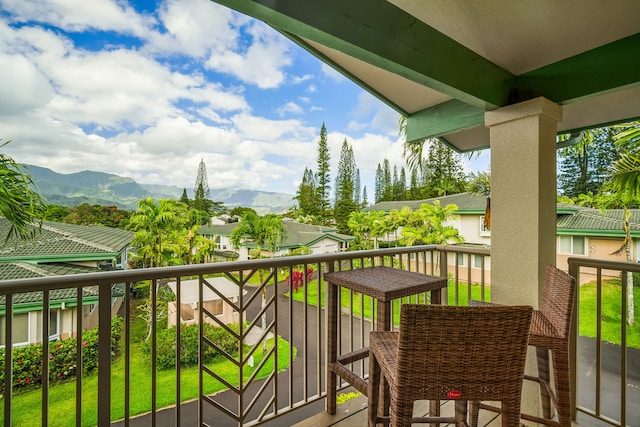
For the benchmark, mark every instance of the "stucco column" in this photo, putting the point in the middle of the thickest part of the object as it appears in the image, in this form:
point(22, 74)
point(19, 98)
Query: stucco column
point(523, 198)
point(523, 209)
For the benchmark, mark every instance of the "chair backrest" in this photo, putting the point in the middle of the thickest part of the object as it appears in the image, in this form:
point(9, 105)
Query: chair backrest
point(476, 352)
point(558, 298)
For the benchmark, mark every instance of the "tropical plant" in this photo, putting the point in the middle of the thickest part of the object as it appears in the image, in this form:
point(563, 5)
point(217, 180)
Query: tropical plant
point(23, 206)
point(266, 231)
point(430, 225)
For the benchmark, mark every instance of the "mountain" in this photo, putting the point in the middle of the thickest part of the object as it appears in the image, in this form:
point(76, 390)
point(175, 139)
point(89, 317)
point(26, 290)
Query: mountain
point(99, 188)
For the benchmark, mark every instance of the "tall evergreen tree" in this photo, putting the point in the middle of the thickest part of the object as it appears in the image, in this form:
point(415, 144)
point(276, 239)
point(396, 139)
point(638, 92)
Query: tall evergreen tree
point(323, 178)
point(365, 201)
point(306, 196)
point(379, 187)
point(345, 185)
point(184, 198)
point(585, 167)
point(402, 185)
point(388, 184)
point(443, 171)
point(202, 196)
point(356, 188)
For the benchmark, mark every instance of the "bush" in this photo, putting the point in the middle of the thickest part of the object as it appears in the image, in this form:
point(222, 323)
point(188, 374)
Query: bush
point(166, 344)
point(27, 360)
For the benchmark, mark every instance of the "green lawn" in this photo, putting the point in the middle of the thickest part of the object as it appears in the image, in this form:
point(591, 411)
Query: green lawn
point(611, 313)
point(312, 298)
point(611, 307)
point(26, 405)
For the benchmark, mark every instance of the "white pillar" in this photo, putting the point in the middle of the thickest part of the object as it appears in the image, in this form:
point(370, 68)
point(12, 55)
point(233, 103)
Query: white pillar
point(523, 198)
point(523, 209)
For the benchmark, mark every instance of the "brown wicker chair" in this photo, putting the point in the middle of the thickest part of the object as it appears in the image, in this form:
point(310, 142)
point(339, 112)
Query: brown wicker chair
point(446, 352)
point(549, 332)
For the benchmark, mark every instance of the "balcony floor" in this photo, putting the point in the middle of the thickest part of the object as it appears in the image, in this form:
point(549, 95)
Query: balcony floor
point(354, 413)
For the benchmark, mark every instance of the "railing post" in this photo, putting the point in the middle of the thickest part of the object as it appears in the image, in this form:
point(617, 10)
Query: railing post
point(574, 270)
point(444, 273)
point(8, 361)
point(104, 355)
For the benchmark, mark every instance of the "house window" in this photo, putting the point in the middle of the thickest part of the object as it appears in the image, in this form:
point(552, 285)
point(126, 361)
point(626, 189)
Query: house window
point(572, 245)
point(477, 261)
point(54, 325)
point(19, 327)
point(461, 259)
point(484, 231)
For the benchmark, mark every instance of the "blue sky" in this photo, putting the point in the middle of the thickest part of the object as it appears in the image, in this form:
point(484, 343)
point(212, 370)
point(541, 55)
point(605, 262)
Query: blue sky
point(147, 89)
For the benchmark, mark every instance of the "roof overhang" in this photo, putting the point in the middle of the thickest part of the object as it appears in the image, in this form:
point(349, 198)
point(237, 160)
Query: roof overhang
point(444, 63)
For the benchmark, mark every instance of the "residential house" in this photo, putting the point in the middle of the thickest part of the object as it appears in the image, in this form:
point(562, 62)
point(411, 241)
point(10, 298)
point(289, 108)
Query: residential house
point(580, 231)
point(58, 249)
point(319, 239)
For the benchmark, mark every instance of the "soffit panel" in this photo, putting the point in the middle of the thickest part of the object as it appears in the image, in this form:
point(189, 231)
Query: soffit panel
point(521, 36)
point(407, 94)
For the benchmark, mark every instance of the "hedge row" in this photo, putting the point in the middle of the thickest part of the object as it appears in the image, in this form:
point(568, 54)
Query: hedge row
point(166, 344)
point(27, 360)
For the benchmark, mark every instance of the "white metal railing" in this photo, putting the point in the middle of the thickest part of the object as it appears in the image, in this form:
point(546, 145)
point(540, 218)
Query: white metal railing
point(606, 374)
point(251, 400)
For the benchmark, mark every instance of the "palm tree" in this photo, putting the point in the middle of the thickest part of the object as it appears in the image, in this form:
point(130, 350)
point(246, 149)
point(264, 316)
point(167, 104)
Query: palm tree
point(153, 222)
point(268, 232)
point(19, 203)
point(625, 181)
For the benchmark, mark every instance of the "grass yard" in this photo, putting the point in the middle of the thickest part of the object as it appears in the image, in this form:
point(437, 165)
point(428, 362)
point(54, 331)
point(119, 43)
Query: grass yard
point(27, 404)
point(611, 307)
point(362, 304)
point(611, 313)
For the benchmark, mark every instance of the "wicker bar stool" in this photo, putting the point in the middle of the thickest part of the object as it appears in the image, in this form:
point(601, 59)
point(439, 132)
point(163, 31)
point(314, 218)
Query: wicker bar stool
point(449, 353)
point(549, 332)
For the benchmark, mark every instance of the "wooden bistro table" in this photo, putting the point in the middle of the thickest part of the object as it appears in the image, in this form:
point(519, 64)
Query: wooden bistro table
point(384, 284)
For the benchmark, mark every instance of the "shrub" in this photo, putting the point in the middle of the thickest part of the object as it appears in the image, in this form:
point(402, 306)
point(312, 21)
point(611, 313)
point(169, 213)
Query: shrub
point(166, 344)
point(27, 360)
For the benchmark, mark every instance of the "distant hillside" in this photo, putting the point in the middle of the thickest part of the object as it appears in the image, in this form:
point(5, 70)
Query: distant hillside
point(99, 188)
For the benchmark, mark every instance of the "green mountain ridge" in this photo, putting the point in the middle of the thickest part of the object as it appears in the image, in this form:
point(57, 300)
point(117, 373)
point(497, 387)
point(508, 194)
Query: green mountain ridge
point(100, 188)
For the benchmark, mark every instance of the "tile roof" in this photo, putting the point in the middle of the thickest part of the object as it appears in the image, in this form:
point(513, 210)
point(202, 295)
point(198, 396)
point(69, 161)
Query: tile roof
point(25, 270)
point(59, 239)
point(593, 219)
point(464, 201)
point(298, 234)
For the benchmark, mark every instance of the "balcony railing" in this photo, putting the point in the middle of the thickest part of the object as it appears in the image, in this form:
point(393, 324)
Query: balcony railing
point(258, 392)
point(606, 368)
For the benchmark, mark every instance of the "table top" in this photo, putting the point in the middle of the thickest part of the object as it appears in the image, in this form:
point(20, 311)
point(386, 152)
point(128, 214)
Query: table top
point(385, 283)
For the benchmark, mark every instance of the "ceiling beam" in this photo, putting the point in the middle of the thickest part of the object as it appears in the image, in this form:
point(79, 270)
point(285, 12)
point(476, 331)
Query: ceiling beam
point(381, 34)
point(443, 119)
point(594, 72)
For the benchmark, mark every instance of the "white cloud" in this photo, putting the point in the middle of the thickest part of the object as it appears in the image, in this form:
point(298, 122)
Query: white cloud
point(289, 108)
point(81, 15)
point(299, 79)
point(260, 63)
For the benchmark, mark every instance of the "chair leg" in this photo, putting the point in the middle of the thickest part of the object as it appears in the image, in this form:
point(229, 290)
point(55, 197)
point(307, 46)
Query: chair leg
point(461, 413)
point(401, 413)
point(510, 413)
point(373, 391)
point(474, 411)
point(543, 373)
point(563, 385)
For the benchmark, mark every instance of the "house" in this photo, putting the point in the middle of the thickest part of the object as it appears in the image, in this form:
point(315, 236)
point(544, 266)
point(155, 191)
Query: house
point(58, 249)
point(213, 301)
point(580, 231)
point(319, 239)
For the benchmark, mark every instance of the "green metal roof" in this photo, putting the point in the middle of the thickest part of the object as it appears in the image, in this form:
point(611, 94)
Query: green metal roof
point(468, 203)
point(298, 234)
point(65, 242)
point(594, 222)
